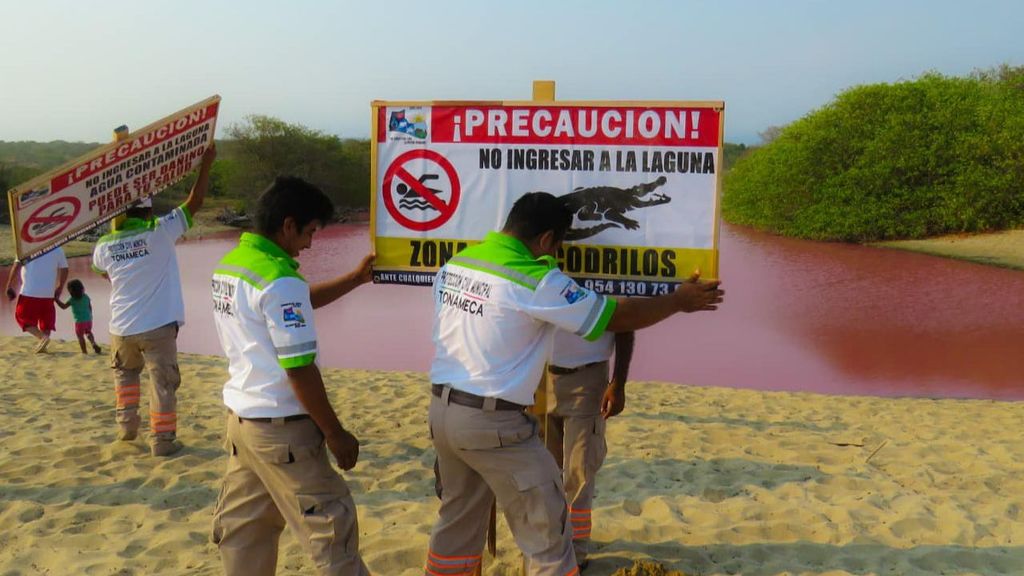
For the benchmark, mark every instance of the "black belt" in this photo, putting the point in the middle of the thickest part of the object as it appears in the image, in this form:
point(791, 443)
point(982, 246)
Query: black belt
point(282, 419)
point(472, 400)
point(560, 371)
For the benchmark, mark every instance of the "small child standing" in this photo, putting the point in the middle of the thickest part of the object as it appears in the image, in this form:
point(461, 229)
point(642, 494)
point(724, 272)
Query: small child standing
point(81, 309)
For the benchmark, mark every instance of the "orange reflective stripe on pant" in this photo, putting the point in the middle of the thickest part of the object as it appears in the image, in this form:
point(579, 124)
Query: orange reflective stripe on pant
point(573, 572)
point(581, 524)
point(126, 401)
point(127, 395)
point(438, 565)
point(163, 421)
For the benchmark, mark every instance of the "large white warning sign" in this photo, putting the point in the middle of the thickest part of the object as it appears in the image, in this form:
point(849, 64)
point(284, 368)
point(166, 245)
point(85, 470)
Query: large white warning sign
point(642, 180)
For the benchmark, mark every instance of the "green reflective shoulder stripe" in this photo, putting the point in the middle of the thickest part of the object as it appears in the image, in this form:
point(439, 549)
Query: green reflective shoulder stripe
point(255, 266)
point(497, 270)
point(508, 257)
point(122, 234)
point(529, 267)
point(242, 273)
point(603, 309)
point(296, 361)
point(186, 214)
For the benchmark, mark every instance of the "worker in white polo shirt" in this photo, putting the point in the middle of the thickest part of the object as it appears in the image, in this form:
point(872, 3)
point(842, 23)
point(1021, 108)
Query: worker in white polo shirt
point(580, 397)
point(497, 305)
point(279, 417)
point(146, 310)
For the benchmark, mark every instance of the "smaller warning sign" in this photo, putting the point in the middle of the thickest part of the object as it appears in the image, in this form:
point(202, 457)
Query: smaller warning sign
point(421, 190)
point(64, 203)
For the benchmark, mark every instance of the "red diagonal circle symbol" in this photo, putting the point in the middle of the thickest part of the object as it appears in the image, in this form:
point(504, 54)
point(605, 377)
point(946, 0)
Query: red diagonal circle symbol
point(55, 216)
point(398, 171)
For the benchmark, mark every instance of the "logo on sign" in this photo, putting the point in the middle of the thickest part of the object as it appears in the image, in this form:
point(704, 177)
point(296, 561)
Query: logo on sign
point(26, 198)
point(409, 125)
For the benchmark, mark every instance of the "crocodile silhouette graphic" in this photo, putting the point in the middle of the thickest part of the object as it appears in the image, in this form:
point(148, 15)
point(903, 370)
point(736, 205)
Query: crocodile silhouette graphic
point(608, 205)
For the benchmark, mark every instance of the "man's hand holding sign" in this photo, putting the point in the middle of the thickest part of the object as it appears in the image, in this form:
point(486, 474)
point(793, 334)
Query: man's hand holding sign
point(693, 295)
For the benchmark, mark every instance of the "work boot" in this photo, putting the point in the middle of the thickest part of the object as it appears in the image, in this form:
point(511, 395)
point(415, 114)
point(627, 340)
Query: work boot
point(166, 447)
point(129, 430)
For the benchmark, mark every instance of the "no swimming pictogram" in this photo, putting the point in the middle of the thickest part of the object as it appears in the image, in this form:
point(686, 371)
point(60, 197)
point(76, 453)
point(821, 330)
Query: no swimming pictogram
point(50, 219)
point(421, 190)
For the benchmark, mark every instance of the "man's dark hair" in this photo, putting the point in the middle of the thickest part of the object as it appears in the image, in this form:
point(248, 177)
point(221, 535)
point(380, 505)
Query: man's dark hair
point(537, 212)
point(291, 196)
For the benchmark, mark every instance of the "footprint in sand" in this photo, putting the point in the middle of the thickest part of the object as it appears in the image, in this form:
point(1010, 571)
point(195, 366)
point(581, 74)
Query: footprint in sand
point(1013, 512)
point(33, 513)
point(83, 455)
point(131, 550)
point(120, 450)
point(29, 471)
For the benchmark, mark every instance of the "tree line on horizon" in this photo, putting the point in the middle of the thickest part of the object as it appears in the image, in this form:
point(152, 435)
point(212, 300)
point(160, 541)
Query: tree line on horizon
point(912, 159)
point(253, 153)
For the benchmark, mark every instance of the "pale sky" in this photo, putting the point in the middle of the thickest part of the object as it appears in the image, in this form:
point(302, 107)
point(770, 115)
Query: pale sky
point(73, 70)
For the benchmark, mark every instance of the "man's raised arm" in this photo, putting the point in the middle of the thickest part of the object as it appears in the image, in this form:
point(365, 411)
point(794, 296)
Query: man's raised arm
point(194, 202)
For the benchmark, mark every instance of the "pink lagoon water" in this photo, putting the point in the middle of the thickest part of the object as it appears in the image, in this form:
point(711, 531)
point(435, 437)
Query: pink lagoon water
point(798, 315)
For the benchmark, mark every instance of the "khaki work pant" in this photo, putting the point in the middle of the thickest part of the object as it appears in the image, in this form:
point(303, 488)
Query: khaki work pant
point(157, 352)
point(279, 474)
point(576, 438)
point(488, 454)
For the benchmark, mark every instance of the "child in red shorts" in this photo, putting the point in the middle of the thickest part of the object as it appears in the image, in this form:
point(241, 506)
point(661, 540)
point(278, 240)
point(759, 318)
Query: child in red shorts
point(81, 309)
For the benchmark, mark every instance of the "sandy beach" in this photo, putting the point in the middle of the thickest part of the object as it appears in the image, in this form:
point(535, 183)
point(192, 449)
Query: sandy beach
point(702, 480)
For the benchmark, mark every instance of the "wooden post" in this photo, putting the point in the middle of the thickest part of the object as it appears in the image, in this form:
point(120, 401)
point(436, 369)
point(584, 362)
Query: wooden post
point(120, 133)
point(543, 91)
